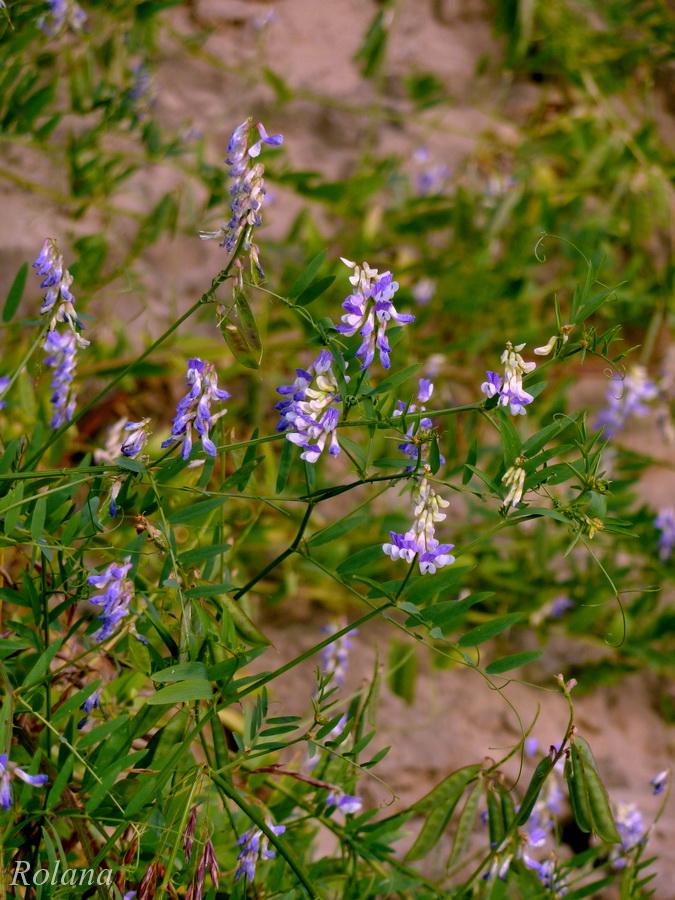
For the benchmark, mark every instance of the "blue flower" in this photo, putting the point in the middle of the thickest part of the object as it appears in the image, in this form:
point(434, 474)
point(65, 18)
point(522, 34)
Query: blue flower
point(424, 393)
point(195, 408)
point(133, 445)
point(116, 592)
point(61, 352)
point(57, 279)
point(421, 539)
point(4, 384)
point(91, 703)
point(247, 190)
point(254, 845)
point(510, 389)
point(62, 13)
point(8, 771)
point(368, 310)
point(660, 781)
point(311, 414)
point(345, 803)
point(665, 522)
point(626, 398)
point(334, 657)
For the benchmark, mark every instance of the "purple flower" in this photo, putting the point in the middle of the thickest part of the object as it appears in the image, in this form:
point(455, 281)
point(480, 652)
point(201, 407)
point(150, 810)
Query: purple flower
point(433, 177)
point(510, 390)
point(630, 824)
point(57, 279)
point(116, 592)
point(195, 408)
point(62, 13)
point(4, 384)
point(368, 310)
point(247, 189)
point(91, 703)
point(660, 781)
point(334, 657)
point(421, 539)
point(254, 845)
point(8, 771)
point(547, 874)
point(61, 350)
point(424, 393)
point(344, 803)
point(560, 605)
point(133, 445)
point(310, 415)
point(626, 397)
point(665, 522)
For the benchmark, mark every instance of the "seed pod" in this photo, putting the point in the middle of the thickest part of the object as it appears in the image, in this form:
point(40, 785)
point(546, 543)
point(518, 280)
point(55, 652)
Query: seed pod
point(601, 816)
point(495, 818)
point(540, 775)
point(578, 791)
point(508, 809)
point(467, 820)
point(243, 625)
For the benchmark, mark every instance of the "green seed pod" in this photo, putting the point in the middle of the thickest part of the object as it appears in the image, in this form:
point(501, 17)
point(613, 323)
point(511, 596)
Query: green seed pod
point(495, 817)
point(578, 791)
point(540, 775)
point(508, 809)
point(467, 820)
point(600, 812)
point(243, 625)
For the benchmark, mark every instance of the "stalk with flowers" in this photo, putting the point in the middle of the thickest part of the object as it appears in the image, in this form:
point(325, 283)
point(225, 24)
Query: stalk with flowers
point(181, 765)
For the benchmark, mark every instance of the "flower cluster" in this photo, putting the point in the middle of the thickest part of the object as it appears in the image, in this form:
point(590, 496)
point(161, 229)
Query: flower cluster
point(368, 310)
point(626, 397)
point(630, 824)
point(57, 279)
point(514, 480)
point(61, 348)
point(247, 189)
point(310, 414)
point(8, 771)
point(62, 13)
point(117, 444)
point(254, 845)
point(335, 656)
point(61, 352)
point(510, 389)
point(195, 408)
point(547, 873)
point(665, 522)
point(421, 540)
point(116, 593)
point(432, 179)
point(417, 430)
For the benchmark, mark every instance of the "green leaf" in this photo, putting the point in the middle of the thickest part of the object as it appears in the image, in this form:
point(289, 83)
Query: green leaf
point(393, 381)
point(471, 458)
point(315, 290)
point(305, 280)
point(402, 671)
point(511, 442)
point(41, 667)
point(199, 554)
point(241, 333)
point(442, 615)
point(132, 465)
point(196, 510)
point(488, 630)
point(15, 294)
point(181, 672)
point(434, 456)
point(285, 461)
point(359, 560)
point(427, 587)
point(335, 531)
point(183, 692)
point(506, 663)
point(37, 520)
